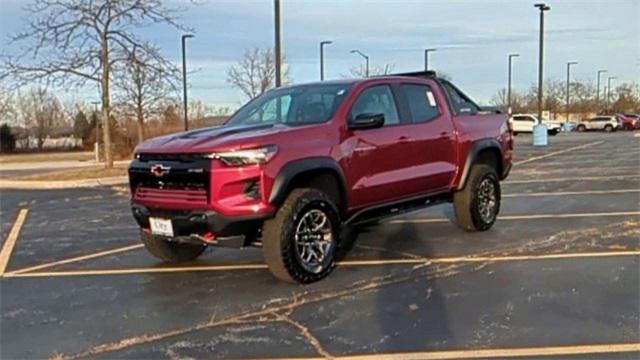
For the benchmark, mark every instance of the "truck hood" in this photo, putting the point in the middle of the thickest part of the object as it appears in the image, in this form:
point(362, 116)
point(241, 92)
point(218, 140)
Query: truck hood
point(212, 138)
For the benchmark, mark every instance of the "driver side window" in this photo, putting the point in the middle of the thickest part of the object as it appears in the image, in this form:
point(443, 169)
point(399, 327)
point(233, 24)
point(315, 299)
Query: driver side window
point(377, 100)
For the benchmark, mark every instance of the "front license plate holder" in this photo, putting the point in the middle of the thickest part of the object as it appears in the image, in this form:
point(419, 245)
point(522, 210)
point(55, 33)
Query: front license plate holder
point(160, 226)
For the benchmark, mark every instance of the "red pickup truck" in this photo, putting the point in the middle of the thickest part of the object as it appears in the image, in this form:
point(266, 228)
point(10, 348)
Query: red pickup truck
point(295, 165)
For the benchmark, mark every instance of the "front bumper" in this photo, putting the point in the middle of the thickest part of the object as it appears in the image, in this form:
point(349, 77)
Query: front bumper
point(204, 225)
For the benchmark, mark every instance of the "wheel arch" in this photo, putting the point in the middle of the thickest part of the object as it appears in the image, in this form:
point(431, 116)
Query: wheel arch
point(323, 173)
point(486, 151)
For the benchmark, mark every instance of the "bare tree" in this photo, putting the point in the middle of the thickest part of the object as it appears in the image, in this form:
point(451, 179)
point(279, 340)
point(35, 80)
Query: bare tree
point(255, 72)
point(374, 70)
point(80, 41)
point(40, 112)
point(7, 105)
point(145, 80)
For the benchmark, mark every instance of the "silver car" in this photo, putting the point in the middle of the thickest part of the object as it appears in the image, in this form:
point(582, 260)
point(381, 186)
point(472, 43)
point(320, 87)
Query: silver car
point(602, 122)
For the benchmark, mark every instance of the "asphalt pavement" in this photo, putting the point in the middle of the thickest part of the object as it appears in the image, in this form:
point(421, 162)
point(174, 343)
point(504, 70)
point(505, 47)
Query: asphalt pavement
point(558, 276)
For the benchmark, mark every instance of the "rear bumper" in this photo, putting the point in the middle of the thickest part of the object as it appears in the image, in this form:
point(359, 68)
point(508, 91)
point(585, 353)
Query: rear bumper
point(234, 231)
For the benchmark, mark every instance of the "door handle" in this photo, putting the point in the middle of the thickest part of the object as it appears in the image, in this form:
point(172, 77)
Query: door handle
point(403, 139)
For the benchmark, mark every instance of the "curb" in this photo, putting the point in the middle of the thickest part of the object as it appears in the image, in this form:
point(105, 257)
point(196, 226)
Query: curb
point(66, 184)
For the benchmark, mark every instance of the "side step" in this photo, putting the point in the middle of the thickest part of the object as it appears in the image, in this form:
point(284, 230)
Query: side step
point(395, 208)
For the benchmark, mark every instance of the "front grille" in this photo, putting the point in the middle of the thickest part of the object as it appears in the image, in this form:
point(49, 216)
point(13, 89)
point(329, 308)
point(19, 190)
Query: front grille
point(145, 157)
point(182, 180)
point(195, 197)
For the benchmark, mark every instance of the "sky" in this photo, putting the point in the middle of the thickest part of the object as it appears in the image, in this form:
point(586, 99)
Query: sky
point(472, 38)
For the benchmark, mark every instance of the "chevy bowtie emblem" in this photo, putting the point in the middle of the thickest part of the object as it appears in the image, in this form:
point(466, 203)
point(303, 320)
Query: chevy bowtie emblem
point(160, 170)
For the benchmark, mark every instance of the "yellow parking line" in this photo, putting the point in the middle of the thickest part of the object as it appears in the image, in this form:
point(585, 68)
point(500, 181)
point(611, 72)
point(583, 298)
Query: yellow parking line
point(403, 261)
point(10, 242)
point(535, 158)
point(584, 178)
point(78, 258)
point(521, 217)
point(565, 193)
point(503, 353)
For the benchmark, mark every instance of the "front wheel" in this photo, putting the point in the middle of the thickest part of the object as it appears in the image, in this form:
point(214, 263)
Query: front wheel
point(608, 128)
point(477, 205)
point(300, 242)
point(581, 128)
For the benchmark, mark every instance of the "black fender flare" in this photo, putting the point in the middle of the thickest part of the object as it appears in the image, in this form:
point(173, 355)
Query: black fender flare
point(477, 147)
point(292, 169)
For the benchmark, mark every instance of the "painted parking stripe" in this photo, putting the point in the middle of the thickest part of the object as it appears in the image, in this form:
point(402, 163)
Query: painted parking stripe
point(521, 217)
point(503, 353)
point(354, 263)
point(79, 258)
point(535, 158)
point(576, 179)
point(565, 193)
point(11, 240)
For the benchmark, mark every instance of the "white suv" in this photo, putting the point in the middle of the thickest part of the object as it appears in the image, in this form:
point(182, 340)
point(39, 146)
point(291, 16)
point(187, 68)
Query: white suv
point(603, 122)
point(523, 123)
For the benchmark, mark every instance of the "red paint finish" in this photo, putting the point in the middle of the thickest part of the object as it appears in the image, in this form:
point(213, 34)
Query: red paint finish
point(380, 165)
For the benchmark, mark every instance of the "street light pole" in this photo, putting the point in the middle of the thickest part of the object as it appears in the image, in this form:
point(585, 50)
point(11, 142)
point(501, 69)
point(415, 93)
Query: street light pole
point(322, 44)
point(511, 56)
point(568, 80)
point(278, 43)
point(600, 72)
point(366, 60)
point(184, 80)
point(426, 58)
point(543, 7)
point(609, 89)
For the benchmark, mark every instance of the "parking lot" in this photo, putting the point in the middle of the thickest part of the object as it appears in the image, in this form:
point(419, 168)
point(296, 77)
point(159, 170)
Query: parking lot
point(557, 276)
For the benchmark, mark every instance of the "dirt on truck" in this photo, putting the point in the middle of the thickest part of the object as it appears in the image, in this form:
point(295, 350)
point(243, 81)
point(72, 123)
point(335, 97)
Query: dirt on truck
point(294, 166)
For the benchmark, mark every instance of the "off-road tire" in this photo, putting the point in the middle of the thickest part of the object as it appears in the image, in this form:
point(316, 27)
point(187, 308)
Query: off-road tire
point(169, 250)
point(608, 128)
point(466, 201)
point(278, 242)
point(581, 128)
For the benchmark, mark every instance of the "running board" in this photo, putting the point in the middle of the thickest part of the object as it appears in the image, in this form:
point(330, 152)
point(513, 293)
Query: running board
point(395, 208)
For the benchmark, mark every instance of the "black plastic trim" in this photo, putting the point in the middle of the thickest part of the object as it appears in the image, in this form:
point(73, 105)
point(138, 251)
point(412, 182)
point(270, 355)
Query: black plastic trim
point(476, 148)
point(291, 170)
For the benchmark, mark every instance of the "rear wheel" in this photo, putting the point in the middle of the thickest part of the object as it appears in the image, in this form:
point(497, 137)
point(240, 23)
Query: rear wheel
point(581, 128)
point(608, 128)
point(169, 250)
point(300, 242)
point(477, 205)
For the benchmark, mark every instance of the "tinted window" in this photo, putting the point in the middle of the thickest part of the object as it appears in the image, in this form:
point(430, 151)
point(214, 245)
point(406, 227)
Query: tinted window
point(421, 101)
point(297, 105)
point(460, 102)
point(377, 100)
point(523, 118)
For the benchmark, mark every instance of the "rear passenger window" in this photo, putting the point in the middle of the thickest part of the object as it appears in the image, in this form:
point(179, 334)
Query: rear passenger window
point(422, 103)
point(460, 102)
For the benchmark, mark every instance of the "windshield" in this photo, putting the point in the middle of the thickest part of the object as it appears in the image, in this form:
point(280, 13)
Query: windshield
point(299, 105)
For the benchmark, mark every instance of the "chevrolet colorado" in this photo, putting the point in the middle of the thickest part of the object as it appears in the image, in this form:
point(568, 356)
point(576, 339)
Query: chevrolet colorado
point(295, 165)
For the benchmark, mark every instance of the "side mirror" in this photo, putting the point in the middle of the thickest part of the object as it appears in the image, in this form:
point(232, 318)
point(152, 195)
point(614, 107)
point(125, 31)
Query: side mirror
point(366, 121)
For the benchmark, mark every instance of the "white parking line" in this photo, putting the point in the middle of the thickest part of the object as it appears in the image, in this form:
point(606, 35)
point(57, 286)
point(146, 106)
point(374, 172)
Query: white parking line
point(503, 353)
point(535, 158)
point(10, 242)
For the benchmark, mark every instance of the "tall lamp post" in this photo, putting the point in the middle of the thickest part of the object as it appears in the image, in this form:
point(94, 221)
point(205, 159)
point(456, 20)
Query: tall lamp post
point(184, 80)
point(600, 72)
point(568, 81)
point(609, 90)
point(322, 44)
point(96, 145)
point(426, 58)
point(543, 7)
point(511, 56)
point(366, 60)
point(278, 43)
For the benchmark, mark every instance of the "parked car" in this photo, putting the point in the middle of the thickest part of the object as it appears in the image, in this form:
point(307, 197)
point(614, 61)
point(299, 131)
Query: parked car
point(297, 164)
point(629, 121)
point(607, 123)
point(524, 123)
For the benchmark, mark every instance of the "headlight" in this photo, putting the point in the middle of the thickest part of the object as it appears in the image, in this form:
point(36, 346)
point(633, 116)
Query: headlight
point(246, 157)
